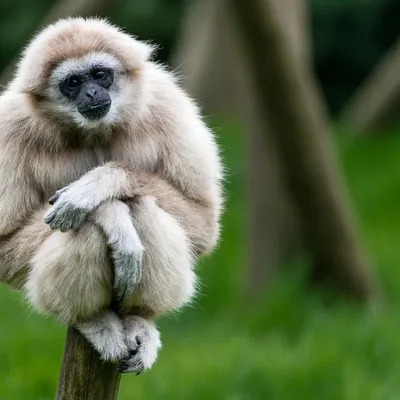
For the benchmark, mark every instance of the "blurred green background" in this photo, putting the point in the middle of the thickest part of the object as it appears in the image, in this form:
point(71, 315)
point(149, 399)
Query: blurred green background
point(285, 342)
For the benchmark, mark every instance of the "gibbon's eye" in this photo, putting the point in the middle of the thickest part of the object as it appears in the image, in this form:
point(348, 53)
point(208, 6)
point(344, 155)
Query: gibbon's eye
point(71, 86)
point(73, 81)
point(104, 76)
point(99, 74)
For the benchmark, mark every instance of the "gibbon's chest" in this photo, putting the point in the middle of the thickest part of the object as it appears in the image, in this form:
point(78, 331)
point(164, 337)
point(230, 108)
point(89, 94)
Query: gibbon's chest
point(141, 153)
point(53, 172)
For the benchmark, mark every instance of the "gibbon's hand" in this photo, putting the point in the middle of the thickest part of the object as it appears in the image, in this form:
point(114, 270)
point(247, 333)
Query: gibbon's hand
point(65, 214)
point(73, 203)
point(70, 208)
point(127, 271)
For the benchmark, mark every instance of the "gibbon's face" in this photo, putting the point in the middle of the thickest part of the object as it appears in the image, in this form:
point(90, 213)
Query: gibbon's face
point(87, 89)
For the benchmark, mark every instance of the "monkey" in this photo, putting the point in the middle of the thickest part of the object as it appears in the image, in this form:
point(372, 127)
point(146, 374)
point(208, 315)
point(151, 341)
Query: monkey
point(111, 187)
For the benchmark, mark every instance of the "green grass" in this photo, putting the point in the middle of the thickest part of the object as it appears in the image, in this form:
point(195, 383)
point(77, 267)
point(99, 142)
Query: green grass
point(288, 345)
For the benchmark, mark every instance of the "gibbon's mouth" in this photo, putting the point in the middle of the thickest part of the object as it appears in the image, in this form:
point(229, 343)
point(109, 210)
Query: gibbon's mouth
point(95, 111)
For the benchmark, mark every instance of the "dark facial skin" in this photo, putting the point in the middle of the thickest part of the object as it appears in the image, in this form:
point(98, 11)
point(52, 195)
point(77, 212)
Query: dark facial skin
point(89, 90)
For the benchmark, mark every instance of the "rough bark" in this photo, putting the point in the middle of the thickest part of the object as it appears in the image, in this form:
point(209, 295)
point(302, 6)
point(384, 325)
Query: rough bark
point(83, 375)
point(62, 9)
point(294, 109)
point(376, 103)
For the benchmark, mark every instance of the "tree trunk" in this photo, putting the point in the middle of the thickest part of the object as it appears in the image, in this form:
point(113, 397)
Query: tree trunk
point(293, 108)
point(61, 9)
point(215, 71)
point(83, 375)
point(376, 103)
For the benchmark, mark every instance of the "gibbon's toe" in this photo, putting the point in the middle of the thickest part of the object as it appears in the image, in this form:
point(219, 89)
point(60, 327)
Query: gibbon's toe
point(143, 342)
point(131, 364)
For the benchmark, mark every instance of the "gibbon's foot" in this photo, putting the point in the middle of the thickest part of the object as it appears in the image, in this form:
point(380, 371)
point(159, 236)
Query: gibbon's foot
point(143, 341)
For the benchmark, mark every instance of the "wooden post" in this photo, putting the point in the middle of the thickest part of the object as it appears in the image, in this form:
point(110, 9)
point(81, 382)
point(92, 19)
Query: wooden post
point(83, 376)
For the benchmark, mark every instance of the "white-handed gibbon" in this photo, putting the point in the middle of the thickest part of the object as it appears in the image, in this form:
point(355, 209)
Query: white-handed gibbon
point(91, 125)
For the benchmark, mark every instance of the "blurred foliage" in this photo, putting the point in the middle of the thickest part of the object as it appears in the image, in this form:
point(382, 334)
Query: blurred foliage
point(155, 20)
point(349, 36)
point(287, 345)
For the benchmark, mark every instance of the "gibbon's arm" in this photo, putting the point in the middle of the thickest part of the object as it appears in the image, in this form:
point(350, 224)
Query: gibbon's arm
point(174, 228)
point(186, 186)
point(197, 216)
point(193, 228)
point(18, 195)
point(19, 198)
point(186, 182)
point(22, 205)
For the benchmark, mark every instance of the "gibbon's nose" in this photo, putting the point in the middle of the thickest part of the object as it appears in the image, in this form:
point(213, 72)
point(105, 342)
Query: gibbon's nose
point(93, 102)
point(91, 93)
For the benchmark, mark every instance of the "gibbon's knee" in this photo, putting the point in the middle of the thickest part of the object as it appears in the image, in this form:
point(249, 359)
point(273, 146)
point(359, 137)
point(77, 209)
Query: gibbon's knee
point(168, 280)
point(70, 275)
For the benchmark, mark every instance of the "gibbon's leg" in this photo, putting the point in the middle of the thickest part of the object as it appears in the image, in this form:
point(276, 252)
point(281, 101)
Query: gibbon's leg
point(71, 276)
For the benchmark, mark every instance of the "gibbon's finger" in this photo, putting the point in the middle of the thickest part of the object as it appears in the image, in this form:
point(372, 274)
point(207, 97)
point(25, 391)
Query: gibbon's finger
point(66, 226)
point(54, 198)
point(57, 194)
point(128, 272)
point(54, 217)
point(121, 290)
point(129, 366)
point(49, 216)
